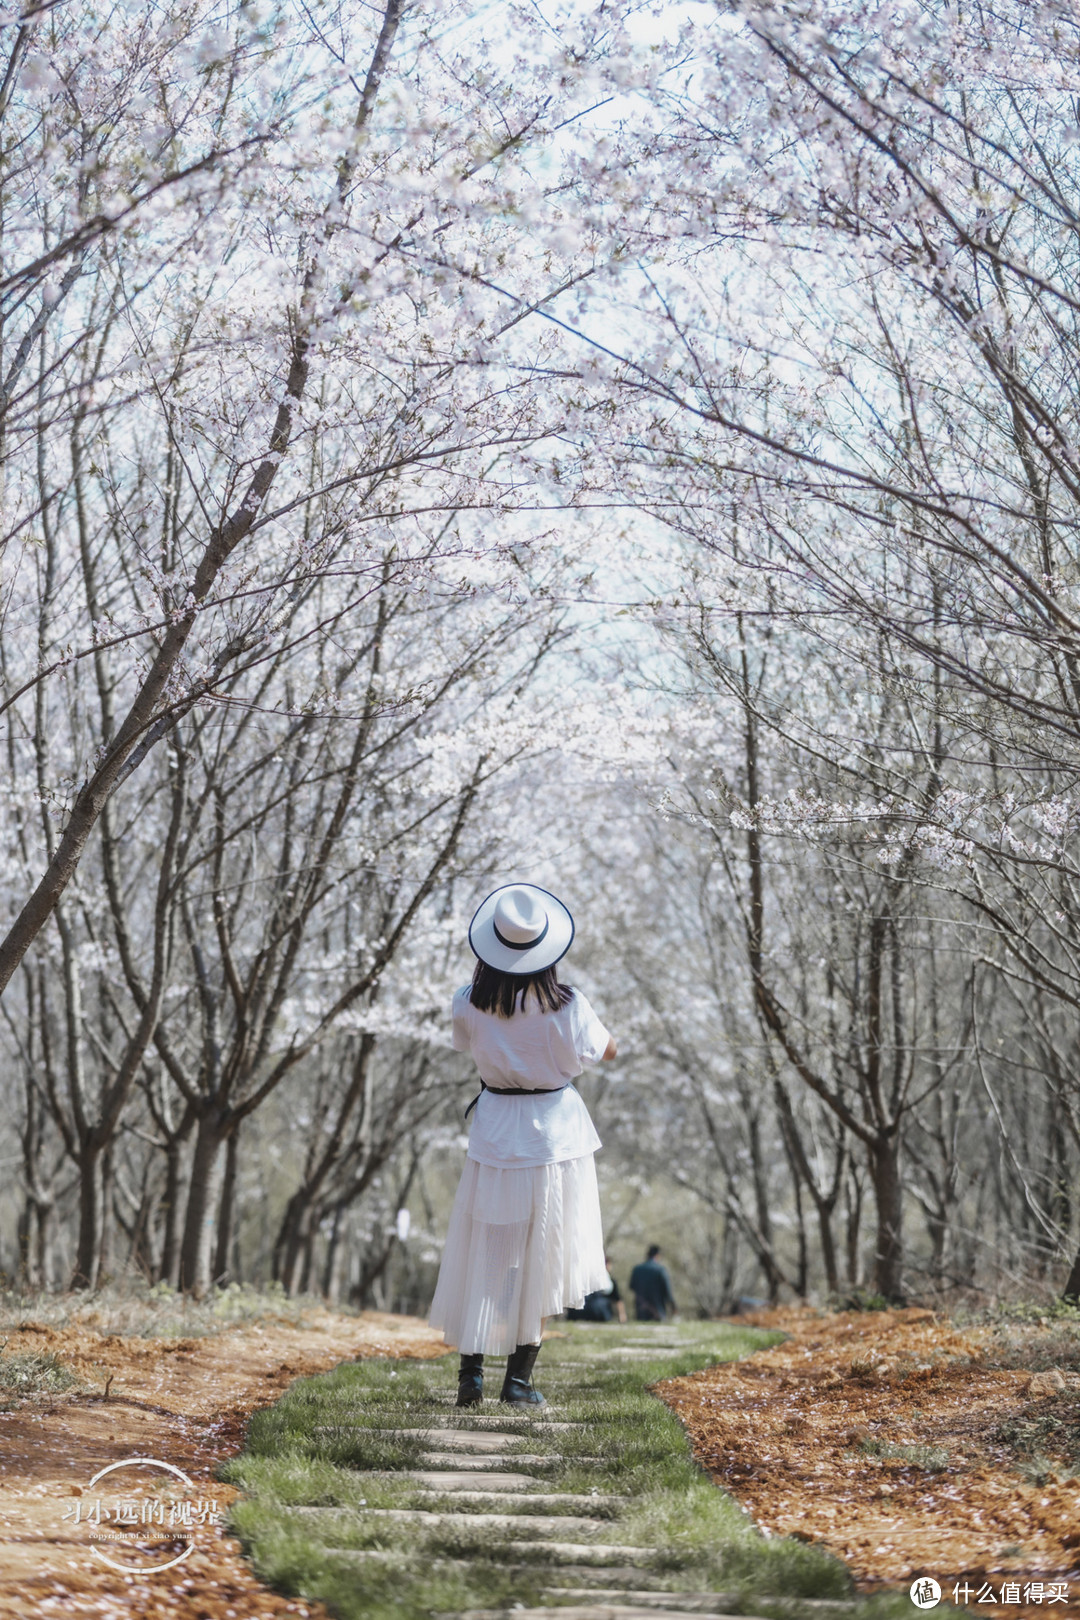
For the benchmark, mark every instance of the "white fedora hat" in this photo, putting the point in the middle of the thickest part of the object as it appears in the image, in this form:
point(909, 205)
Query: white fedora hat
point(521, 929)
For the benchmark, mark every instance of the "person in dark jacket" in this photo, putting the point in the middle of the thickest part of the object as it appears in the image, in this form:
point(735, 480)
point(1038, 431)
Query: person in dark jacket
point(651, 1288)
point(602, 1306)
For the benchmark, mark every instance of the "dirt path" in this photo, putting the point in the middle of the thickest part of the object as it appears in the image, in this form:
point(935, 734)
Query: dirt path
point(884, 1435)
point(182, 1401)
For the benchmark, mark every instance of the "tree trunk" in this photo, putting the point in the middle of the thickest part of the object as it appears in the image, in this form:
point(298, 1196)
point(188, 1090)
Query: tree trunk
point(828, 1246)
point(802, 1274)
point(296, 1220)
point(802, 1173)
point(1071, 1290)
point(889, 1199)
point(307, 1259)
point(226, 1210)
point(141, 1255)
point(105, 1240)
point(371, 1284)
point(45, 1211)
point(290, 1240)
point(197, 1246)
point(168, 1268)
point(331, 1286)
point(24, 1242)
point(729, 1266)
point(773, 1277)
point(937, 1226)
point(1061, 1203)
point(169, 1264)
point(88, 1245)
point(853, 1197)
point(34, 1228)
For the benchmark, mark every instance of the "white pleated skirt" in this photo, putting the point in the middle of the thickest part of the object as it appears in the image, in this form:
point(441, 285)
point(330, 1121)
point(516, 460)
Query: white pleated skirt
point(521, 1245)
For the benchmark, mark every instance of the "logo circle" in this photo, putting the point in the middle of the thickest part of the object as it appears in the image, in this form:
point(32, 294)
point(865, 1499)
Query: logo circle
point(925, 1592)
point(142, 1462)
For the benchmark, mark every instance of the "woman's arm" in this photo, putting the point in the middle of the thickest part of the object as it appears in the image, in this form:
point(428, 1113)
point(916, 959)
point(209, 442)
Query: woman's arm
point(610, 1051)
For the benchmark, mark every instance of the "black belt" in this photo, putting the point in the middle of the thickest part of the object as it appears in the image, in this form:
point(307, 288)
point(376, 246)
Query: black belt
point(512, 1091)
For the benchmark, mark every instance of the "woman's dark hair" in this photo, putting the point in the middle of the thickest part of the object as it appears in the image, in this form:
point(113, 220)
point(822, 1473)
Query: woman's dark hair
point(503, 993)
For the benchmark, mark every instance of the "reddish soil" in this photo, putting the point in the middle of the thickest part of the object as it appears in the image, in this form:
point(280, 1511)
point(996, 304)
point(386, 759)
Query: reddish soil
point(788, 1433)
point(182, 1401)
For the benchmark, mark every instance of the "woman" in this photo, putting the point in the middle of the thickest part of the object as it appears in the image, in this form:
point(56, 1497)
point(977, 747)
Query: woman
point(525, 1239)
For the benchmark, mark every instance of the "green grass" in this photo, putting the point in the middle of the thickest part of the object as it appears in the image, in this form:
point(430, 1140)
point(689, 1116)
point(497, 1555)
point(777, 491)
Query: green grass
point(130, 1306)
point(31, 1372)
point(319, 1447)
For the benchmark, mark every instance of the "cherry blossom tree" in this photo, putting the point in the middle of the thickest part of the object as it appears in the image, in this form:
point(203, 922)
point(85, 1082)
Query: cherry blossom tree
point(850, 389)
point(276, 560)
point(313, 343)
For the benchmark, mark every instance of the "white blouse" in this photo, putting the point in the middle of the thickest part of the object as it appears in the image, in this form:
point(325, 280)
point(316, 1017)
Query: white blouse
point(532, 1050)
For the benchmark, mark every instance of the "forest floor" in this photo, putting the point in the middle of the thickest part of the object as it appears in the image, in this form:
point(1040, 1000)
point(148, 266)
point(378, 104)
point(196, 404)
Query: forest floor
point(908, 1445)
point(897, 1440)
point(91, 1384)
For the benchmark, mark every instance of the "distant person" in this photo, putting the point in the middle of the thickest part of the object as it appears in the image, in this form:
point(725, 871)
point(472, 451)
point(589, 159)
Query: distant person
point(525, 1238)
point(651, 1288)
point(603, 1305)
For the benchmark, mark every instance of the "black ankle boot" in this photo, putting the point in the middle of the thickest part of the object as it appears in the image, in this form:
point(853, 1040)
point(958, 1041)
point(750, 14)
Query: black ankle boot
point(517, 1385)
point(470, 1381)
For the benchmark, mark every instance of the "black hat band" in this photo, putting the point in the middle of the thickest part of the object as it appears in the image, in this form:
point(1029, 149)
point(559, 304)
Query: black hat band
point(525, 945)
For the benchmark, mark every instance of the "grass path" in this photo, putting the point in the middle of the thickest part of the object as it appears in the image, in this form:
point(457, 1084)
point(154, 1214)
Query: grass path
point(367, 1489)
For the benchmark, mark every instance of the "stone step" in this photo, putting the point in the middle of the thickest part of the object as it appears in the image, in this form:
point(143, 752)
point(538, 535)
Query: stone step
point(628, 1350)
point(423, 1518)
point(582, 1572)
point(565, 1388)
point(639, 1350)
point(542, 1524)
point(597, 1611)
point(486, 1436)
point(480, 1461)
point(469, 1480)
point(479, 1442)
point(473, 1484)
point(579, 1552)
point(362, 1555)
point(699, 1603)
point(514, 1414)
point(553, 1501)
point(584, 1579)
